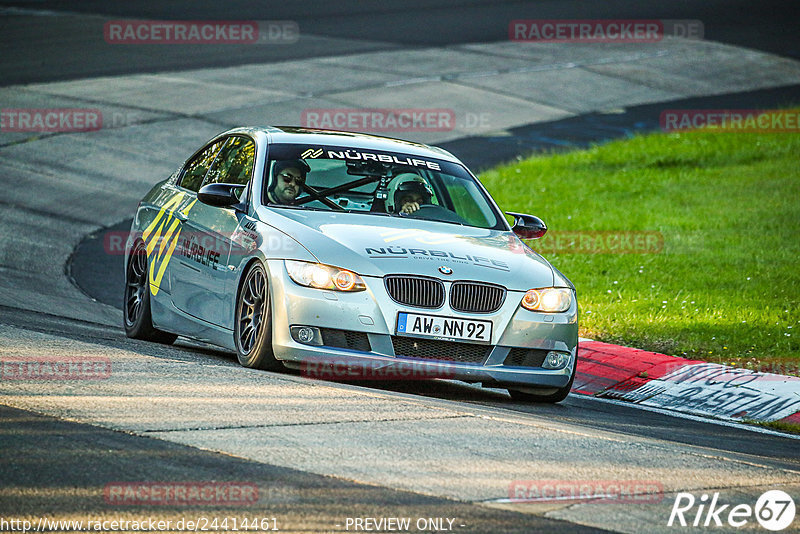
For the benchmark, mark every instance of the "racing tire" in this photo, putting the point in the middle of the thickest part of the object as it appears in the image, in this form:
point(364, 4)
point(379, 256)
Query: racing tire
point(137, 318)
point(559, 395)
point(253, 322)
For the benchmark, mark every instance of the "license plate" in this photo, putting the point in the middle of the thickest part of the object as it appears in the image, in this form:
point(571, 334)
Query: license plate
point(436, 326)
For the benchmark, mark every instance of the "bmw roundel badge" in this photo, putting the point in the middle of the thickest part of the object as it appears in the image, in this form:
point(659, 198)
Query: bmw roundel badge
point(445, 270)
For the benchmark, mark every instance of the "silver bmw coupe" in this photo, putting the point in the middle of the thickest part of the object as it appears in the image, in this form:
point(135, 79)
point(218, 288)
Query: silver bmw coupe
point(349, 257)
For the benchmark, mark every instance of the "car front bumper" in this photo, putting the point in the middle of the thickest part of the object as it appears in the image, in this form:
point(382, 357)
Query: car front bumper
point(373, 314)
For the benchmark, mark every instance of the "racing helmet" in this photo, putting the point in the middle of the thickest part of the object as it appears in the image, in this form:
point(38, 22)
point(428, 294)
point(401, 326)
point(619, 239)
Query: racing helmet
point(408, 184)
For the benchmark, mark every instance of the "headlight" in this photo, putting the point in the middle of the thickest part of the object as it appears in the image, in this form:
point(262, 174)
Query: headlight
point(323, 276)
point(548, 299)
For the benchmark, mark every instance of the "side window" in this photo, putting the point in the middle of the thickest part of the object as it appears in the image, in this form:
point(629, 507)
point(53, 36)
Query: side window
point(196, 169)
point(234, 165)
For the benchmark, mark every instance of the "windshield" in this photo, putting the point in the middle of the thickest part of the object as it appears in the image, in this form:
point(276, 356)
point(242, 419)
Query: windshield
point(378, 183)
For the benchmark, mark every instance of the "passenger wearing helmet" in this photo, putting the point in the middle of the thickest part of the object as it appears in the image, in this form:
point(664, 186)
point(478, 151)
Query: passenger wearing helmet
point(288, 177)
point(410, 193)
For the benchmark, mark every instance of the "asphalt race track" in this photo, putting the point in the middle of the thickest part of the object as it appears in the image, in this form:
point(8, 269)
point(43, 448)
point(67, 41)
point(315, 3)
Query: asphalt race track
point(345, 27)
point(322, 452)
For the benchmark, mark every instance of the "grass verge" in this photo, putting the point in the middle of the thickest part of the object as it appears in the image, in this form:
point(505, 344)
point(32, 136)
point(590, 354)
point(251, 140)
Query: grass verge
point(723, 285)
point(780, 426)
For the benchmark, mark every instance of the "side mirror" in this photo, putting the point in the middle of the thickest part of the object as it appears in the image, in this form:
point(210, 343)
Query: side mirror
point(527, 226)
point(219, 195)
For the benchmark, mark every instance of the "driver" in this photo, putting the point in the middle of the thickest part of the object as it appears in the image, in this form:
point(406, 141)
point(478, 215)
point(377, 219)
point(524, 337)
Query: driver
point(410, 193)
point(288, 177)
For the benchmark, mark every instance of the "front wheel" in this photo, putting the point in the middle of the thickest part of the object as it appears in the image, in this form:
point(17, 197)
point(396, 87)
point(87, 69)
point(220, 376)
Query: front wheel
point(253, 328)
point(137, 320)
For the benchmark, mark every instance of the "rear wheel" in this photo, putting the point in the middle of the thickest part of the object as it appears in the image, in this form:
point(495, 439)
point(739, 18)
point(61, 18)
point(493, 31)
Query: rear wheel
point(137, 320)
point(253, 328)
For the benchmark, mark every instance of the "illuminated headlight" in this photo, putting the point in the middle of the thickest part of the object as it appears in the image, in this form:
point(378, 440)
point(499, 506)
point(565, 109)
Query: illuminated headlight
point(548, 299)
point(323, 276)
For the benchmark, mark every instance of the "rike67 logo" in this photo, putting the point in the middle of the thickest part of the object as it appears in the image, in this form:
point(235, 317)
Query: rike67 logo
point(774, 510)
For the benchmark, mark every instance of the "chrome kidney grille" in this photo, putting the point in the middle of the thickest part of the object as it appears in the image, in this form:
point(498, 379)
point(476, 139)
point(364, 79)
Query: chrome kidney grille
point(476, 297)
point(467, 297)
point(415, 291)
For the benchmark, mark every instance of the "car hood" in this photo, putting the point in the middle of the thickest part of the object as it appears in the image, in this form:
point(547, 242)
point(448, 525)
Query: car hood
point(374, 245)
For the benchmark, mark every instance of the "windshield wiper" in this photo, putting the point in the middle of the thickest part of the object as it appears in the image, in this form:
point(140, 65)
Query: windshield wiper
point(425, 219)
point(293, 207)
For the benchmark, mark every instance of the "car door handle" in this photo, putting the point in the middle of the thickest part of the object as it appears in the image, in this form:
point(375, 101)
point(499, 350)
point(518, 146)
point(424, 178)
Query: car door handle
point(180, 216)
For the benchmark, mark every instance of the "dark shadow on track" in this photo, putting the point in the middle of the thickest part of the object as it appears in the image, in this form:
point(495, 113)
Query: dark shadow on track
point(54, 468)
